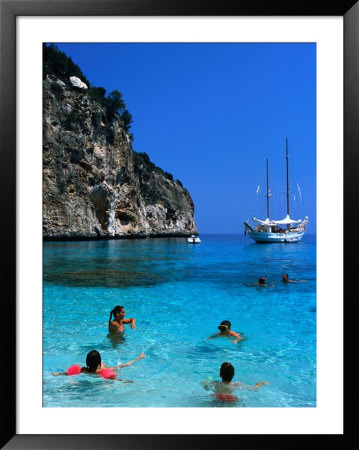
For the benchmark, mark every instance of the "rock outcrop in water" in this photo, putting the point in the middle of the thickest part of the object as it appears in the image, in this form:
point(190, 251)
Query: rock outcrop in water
point(94, 184)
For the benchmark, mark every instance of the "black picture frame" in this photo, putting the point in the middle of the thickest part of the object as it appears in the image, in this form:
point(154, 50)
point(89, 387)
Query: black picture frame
point(9, 10)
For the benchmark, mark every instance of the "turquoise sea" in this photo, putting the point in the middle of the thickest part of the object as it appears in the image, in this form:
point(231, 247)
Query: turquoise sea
point(179, 293)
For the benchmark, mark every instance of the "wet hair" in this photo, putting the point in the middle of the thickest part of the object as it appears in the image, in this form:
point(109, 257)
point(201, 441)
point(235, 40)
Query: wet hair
point(285, 275)
point(93, 360)
point(116, 309)
point(262, 280)
point(224, 325)
point(226, 371)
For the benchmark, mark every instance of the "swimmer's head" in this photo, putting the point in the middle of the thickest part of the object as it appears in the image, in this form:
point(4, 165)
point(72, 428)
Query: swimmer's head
point(262, 280)
point(285, 277)
point(93, 361)
point(226, 372)
point(117, 310)
point(224, 326)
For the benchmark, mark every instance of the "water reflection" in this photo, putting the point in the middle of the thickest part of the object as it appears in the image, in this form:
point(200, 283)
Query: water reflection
point(116, 340)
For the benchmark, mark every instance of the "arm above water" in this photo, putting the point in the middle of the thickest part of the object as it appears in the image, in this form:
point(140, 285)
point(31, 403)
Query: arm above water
point(72, 370)
point(239, 385)
point(296, 281)
point(208, 384)
point(120, 366)
point(131, 321)
point(238, 337)
point(82, 370)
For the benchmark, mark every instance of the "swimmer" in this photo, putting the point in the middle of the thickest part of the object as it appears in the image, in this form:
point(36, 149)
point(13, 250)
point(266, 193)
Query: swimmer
point(285, 279)
point(225, 330)
point(226, 386)
point(260, 282)
point(94, 365)
point(116, 326)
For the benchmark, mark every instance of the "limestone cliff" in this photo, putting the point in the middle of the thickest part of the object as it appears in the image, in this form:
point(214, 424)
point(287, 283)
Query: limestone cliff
point(94, 184)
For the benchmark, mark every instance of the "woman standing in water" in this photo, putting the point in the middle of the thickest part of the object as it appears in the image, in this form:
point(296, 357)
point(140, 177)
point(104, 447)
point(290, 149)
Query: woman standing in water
point(116, 326)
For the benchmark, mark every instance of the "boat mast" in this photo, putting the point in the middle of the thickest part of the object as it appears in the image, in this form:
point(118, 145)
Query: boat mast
point(267, 190)
point(288, 225)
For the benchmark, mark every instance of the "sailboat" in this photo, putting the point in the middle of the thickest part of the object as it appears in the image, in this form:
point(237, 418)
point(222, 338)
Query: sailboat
point(271, 231)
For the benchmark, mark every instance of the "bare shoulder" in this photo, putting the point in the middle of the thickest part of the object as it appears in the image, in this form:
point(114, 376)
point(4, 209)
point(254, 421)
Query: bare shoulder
point(114, 325)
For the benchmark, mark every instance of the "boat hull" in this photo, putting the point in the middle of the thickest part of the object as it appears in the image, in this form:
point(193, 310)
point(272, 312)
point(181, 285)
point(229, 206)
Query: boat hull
point(265, 237)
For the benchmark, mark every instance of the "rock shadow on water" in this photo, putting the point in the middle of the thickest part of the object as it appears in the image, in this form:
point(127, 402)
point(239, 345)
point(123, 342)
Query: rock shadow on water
point(105, 278)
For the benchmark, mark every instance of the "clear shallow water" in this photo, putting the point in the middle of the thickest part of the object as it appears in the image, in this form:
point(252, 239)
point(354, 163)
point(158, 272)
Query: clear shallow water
point(179, 293)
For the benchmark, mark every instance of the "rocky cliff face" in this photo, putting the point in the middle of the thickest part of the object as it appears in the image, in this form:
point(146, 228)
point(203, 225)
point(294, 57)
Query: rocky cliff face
point(94, 184)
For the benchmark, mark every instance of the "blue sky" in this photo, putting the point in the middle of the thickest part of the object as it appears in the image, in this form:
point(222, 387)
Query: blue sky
point(210, 114)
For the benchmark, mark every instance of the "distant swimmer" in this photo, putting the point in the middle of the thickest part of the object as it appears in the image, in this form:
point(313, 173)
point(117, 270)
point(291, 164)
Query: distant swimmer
point(116, 326)
point(260, 282)
point(95, 366)
point(225, 330)
point(223, 390)
point(285, 279)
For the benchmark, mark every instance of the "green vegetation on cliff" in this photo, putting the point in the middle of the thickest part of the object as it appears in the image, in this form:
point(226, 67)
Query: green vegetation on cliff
point(142, 161)
point(59, 64)
point(144, 168)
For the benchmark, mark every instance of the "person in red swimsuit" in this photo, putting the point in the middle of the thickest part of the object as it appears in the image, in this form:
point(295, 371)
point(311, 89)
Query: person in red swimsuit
point(223, 390)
